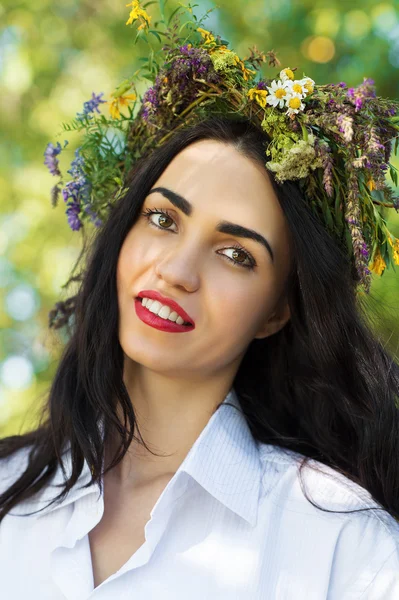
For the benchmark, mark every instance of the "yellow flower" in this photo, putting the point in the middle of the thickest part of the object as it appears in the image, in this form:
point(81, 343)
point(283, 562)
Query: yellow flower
point(222, 49)
point(138, 13)
point(207, 35)
point(117, 102)
point(294, 102)
point(247, 73)
point(258, 95)
point(378, 265)
point(287, 74)
point(395, 246)
point(371, 184)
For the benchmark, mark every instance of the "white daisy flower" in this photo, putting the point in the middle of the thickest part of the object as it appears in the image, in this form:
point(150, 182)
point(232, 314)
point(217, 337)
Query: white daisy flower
point(287, 75)
point(297, 87)
point(294, 104)
point(278, 92)
point(308, 84)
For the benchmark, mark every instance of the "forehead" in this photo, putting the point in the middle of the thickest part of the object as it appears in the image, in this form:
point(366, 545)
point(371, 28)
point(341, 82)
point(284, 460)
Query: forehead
point(220, 164)
point(221, 183)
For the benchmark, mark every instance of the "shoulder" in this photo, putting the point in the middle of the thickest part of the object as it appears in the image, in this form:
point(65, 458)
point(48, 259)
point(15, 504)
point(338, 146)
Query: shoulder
point(283, 477)
point(353, 534)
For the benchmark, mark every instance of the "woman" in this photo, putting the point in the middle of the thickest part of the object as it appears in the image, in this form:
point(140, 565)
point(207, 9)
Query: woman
point(264, 461)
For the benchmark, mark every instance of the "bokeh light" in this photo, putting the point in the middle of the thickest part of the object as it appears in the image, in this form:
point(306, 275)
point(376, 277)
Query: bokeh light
point(357, 23)
point(384, 17)
point(22, 302)
point(319, 48)
point(16, 372)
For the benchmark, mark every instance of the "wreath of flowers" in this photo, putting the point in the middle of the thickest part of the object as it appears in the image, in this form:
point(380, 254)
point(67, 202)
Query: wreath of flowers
point(335, 140)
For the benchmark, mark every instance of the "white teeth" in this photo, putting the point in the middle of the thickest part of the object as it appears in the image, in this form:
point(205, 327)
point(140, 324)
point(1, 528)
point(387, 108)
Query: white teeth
point(155, 306)
point(163, 311)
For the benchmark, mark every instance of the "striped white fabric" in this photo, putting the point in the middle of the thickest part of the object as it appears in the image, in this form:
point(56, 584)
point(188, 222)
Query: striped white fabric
point(232, 524)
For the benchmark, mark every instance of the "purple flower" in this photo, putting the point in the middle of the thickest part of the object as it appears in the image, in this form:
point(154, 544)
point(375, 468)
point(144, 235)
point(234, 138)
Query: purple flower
point(351, 92)
point(73, 219)
point(361, 93)
point(51, 160)
point(185, 50)
point(358, 104)
point(91, 106)
point(76, 191)
point(93, 217)
point(150, 102)
point(342, 84)
point(261, 85)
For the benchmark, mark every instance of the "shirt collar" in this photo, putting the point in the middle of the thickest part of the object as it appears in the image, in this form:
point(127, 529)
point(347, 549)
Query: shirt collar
point(224, 460)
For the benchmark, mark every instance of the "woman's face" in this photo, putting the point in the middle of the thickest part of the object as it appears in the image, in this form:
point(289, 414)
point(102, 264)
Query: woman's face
point(186, 259)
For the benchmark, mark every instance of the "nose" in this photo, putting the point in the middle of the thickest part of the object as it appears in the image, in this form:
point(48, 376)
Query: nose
point(179, 268)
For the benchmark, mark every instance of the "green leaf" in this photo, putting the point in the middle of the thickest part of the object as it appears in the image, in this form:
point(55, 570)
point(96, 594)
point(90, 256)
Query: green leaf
point(138, 35)
point(162, 9)
point(304, 132)
point(394, 175)
point(148, 75)
point(156, 34)
point(378, 195)
point(349, 242)
point(327, 213)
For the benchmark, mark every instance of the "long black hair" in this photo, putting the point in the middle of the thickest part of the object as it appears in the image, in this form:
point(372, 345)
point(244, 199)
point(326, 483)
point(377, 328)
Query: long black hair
point(323, 386)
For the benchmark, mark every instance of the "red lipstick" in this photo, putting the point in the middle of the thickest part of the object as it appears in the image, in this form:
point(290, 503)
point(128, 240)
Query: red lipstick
point(158, 322)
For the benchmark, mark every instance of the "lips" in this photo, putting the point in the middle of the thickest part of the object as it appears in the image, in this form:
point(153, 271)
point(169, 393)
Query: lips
point(169, 302)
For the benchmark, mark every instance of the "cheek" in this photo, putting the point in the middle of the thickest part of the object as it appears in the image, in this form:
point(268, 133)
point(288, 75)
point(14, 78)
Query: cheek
point(241, 310)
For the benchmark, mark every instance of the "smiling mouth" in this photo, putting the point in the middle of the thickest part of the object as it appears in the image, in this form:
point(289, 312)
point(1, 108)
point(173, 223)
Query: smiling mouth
point(186, 323)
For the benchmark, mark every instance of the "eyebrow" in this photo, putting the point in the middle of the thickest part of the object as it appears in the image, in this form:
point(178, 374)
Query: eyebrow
point(223, 226)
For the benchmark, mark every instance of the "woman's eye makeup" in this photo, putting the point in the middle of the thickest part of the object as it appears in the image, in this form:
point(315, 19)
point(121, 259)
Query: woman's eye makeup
point(251, 263)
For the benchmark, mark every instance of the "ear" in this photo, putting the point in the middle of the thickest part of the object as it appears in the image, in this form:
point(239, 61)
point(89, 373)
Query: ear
point(276, 321)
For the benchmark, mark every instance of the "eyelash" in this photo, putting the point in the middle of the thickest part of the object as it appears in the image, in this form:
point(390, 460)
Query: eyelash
point(155, 211)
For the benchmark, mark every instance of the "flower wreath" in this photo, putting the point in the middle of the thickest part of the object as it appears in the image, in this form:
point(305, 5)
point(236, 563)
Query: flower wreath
point(335, 140)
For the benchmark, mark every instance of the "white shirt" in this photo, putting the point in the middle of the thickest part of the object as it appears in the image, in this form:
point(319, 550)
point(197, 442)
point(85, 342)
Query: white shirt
point(232, 524)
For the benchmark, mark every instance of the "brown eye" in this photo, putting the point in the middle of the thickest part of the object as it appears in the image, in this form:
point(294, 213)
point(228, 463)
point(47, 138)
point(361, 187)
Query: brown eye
point(237, 251)
point(163, 220)
point(236, 255)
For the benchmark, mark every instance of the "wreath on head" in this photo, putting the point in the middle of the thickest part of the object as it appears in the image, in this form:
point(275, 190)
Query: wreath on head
point(335, 140)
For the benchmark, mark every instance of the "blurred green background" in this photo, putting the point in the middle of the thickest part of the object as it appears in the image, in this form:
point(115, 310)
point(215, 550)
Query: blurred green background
point(52, 57)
